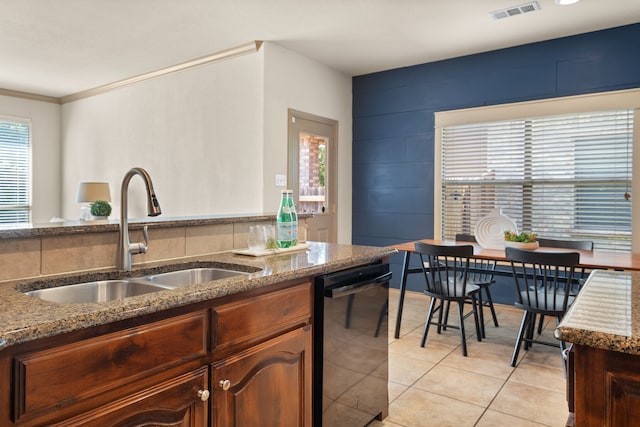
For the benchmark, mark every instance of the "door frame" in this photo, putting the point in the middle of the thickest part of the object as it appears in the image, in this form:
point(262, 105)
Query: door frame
point(332, 163)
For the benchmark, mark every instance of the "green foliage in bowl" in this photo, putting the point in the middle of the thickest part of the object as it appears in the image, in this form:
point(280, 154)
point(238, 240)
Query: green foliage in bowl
point(510, 236)
point(100, 208)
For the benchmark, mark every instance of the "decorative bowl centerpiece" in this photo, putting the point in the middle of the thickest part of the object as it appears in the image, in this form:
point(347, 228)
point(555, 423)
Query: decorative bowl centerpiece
point(489, 230)
point(521, 241)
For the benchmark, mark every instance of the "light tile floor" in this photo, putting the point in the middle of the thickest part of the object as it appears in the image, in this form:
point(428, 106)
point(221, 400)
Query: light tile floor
point(437, 386)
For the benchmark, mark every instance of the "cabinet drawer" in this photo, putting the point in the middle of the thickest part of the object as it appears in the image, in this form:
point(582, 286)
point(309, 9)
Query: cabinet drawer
point(57, 377)
point(261, 317)
point(175, 402)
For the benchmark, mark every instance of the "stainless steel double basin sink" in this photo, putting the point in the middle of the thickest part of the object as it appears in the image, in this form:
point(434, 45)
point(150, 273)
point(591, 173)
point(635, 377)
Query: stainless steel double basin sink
point(109, 290)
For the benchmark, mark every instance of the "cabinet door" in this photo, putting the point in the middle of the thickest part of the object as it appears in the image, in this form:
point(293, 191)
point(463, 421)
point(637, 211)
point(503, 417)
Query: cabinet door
point(182, 402)
point(607, 388)
point(268, 385)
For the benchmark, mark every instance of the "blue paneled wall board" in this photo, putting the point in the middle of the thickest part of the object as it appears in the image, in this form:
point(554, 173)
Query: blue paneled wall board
point(393, 119)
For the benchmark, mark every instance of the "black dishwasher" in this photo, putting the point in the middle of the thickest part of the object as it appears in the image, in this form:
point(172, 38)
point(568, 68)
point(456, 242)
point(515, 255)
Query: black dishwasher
point(351, 348)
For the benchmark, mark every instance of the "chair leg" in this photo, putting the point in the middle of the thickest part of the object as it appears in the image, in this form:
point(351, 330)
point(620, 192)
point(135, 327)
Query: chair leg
point(562, 352)
point(490, 304)
point(528, 341)
point(443, 322)
point(540, 324)
point(463, 339)
point(524, 325)
point(480, 308)
point(475, 306)
point(432, 307)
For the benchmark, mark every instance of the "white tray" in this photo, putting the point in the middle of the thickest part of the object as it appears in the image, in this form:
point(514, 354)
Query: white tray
point(263, 252)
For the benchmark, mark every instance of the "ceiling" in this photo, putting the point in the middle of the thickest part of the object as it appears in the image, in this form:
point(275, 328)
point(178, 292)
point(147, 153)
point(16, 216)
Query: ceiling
point(62, 47)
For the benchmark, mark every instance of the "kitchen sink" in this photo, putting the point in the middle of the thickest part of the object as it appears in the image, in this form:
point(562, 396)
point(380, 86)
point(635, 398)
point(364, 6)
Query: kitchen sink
point(192, 276)
point(109, 290)
point(99, 291)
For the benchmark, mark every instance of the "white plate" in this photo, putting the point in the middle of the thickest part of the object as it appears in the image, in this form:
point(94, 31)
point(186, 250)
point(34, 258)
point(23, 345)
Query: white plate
point(490, 229)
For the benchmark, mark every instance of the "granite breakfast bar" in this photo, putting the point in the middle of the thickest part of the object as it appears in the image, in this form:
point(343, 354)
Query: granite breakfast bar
point(197, 355)
point(24, 318)
point(603, 324)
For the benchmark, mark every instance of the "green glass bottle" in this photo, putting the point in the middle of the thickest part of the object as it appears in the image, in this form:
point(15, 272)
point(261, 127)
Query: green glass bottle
point(287, 221)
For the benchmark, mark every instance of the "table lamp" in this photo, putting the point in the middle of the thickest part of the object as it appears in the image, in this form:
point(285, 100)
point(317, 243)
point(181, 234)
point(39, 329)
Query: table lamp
point(89, 192)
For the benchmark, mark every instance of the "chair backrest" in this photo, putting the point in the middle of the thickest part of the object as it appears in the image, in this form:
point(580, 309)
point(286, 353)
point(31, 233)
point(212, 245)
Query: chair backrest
point(585, 245)
point(480, 270)
point(445, 268)
point(545, 281)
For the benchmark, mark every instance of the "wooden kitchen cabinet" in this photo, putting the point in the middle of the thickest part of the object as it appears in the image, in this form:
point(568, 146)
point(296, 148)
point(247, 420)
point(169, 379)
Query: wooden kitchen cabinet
point(607, 387)
point(121, 369)
point(157, 369)
point(266, 385)
point(263, 360)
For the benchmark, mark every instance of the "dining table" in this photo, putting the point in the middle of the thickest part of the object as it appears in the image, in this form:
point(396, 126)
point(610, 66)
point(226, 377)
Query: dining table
point(590, 260)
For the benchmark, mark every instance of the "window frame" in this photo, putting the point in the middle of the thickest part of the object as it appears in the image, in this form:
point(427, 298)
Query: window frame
point(626, 99)
point(29, 207)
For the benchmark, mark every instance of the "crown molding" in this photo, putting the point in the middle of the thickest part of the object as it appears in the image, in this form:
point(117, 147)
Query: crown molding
point(27, 95)
point(233, 52)
point(208, 59)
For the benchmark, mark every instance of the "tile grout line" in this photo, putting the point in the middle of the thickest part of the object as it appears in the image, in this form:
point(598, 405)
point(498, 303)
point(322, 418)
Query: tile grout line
point(441, 363)
point(504, 383)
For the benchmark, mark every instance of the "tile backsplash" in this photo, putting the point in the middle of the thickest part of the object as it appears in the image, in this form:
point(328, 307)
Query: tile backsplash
point(31, 257)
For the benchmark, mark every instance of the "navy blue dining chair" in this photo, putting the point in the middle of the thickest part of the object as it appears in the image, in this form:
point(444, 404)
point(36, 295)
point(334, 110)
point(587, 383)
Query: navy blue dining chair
point(546, 285)
point(445, 271)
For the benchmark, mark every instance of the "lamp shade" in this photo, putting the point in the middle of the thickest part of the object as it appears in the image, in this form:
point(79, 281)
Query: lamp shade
point(91, 191)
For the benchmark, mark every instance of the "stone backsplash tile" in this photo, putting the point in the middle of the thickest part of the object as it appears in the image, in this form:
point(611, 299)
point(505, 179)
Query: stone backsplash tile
point(164, 243)
point(19, 258)
point(78, 252)
point(209, 238)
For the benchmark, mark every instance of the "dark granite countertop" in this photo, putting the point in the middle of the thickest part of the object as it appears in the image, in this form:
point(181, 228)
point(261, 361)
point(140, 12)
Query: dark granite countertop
point(606, 314)
point(24, 318)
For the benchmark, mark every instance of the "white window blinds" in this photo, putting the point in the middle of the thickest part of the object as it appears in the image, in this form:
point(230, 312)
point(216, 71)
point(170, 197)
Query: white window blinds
point(565, 176)
point(15, 171)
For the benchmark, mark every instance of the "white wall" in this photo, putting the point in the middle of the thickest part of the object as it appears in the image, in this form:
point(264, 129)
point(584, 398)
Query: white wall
point(197, 132)
point(297, 82)
point(212, 138)
point(45, 139)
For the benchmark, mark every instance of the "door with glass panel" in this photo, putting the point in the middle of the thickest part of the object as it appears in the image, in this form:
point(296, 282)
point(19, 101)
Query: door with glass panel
point(312, 172)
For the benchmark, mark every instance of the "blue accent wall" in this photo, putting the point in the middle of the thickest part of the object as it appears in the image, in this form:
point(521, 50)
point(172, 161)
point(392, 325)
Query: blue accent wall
point(393, 119)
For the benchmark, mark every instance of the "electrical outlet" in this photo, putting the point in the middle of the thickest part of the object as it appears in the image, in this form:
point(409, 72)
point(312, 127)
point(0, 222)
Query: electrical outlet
point(281, 180)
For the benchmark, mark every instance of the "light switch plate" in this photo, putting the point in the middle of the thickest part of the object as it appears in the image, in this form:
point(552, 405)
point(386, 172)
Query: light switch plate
point(281, 180)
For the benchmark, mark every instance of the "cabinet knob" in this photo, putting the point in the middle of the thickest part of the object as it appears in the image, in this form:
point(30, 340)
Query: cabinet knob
point(203, 395)
point(225, 384)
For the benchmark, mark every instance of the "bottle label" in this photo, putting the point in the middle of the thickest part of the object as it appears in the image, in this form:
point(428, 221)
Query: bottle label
point(287, 234)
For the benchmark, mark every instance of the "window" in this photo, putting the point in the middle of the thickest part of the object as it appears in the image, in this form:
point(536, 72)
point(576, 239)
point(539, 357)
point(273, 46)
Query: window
point(312, 175)
point(15, 171)
point(565, 176)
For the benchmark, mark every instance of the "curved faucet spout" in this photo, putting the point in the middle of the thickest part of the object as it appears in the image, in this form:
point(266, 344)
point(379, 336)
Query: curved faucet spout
point(125, 247)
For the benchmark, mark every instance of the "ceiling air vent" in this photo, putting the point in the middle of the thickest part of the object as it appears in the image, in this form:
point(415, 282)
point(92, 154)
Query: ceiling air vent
point(515, 10)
